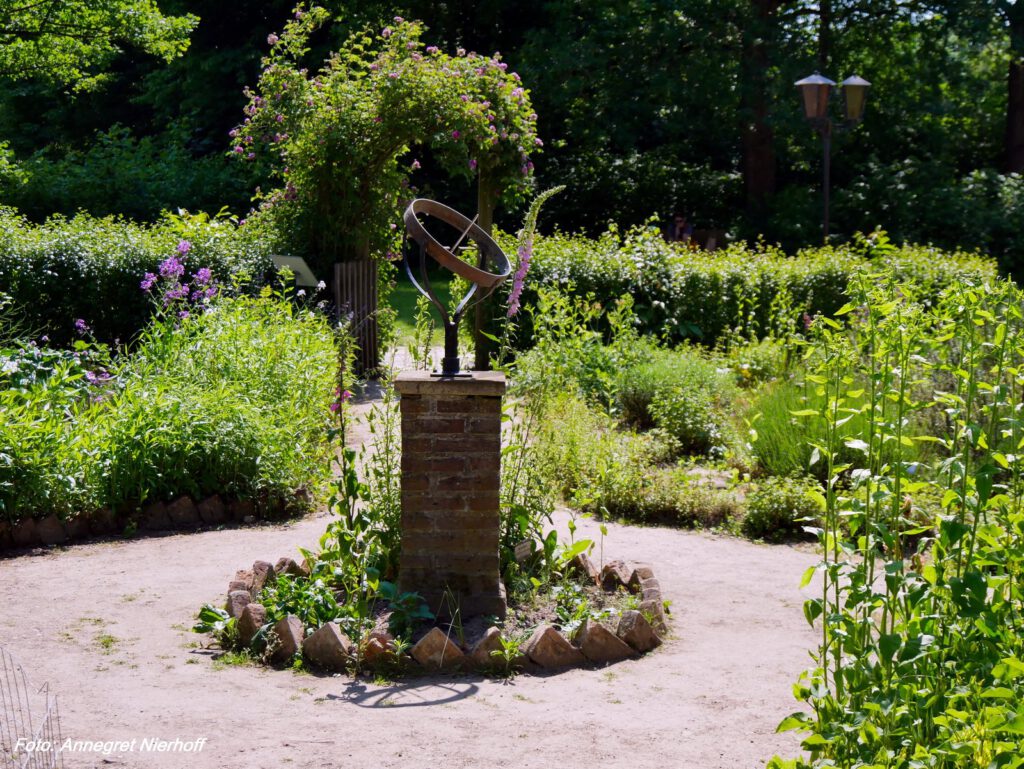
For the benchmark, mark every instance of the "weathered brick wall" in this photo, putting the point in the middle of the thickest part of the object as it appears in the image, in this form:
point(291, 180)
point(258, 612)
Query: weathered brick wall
point(451, 463)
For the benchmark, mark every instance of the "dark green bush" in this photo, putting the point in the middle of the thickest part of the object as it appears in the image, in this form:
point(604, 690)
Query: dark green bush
point(120, 174)
point(779, 508)
point(90, 268)
point(687, 294)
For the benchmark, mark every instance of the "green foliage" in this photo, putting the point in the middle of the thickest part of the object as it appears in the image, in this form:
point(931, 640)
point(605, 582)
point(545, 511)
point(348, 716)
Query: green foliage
point(919, 660)
point(218, 623)
point(142, 177)
point(685, 393)
point(682, 294)
point(232, 400)
point(339, 140)
point(779, 508)
point(88, 268)
point(63, 40)
point(311, 599)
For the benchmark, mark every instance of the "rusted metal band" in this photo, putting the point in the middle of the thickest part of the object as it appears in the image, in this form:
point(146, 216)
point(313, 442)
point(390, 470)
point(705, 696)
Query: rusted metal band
point(491, 251)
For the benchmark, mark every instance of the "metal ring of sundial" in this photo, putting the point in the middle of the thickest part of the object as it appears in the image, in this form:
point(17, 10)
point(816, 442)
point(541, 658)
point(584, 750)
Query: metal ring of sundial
point(491, 252)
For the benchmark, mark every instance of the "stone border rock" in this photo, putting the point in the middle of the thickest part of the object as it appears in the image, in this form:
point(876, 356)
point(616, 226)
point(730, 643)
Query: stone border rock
point(181, 514)
point(546, 650)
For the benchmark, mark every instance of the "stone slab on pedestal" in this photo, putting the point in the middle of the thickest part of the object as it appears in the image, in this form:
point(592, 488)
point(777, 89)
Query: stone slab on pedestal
point(451, 480)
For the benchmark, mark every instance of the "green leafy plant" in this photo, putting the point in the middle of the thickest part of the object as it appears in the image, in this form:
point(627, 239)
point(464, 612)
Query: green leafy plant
point(919, 659)
point(781, 508)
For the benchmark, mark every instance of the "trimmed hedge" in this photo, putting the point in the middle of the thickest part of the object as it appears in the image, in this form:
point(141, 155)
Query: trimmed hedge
point(90, 268)
point(687, 294)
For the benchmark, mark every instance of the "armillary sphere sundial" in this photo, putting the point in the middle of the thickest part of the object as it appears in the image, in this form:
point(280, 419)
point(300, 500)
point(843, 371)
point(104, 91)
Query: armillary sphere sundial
point(492, 270)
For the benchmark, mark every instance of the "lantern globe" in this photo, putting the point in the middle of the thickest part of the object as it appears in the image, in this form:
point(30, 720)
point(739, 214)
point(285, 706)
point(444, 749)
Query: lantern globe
point(815, 91)
point(855, 94)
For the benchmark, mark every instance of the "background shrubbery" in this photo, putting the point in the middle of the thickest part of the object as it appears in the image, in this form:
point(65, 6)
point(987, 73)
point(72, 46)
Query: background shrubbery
point(683, 294)
point(90, 268)
point(233, 400)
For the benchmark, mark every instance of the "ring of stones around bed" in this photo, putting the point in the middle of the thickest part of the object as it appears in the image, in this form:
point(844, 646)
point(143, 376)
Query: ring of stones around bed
point(637, 632)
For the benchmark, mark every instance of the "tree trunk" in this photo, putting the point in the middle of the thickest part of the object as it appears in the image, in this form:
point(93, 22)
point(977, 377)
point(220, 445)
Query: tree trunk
point(483, 313)
point(1015, 118)
point(824, 35)
point(757, 135)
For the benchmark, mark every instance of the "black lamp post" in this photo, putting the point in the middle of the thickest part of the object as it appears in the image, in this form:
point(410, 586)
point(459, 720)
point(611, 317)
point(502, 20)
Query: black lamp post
point(815, 91)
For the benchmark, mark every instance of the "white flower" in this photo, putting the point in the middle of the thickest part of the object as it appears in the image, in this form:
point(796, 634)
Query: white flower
point(321, 286)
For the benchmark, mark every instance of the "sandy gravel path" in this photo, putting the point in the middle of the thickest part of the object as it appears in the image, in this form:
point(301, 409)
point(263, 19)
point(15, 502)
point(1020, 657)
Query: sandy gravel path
point(710, 698)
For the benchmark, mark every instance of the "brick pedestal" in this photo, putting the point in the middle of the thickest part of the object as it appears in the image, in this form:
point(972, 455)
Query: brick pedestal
point(451, 465)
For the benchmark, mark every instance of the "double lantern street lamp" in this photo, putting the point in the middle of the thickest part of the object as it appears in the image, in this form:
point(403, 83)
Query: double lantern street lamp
point(815, 91)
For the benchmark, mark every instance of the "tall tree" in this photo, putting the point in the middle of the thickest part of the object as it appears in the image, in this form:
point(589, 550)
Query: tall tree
point(65, 41)
point(757, 136)
point(1013, 13)
point(1005, 19)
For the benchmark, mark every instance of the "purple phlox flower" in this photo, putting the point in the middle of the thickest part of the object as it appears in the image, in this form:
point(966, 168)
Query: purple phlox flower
point(808, 322)
point(184, 247)
point(345, 396)
point(456, 134)
point(374, 67)
point(335, 406)
point(279, 117)
point(410, 45)
point(183, 314)
point(529, 166)
point(415, 165)
point(386, 32)
point(472, 164)
point(538, 142)
point(525, 171)
point(393, 226)
point(174, 294)
point(94, 377)
point(238, 149)
point(81, 326)
point(525, 253)
point(393, 75)
point(502, 66)
point(517, 92)
point(464, 97)
point(203, 276)
point(398, 20)
point(392, 256)
point(172, 268)
point(211, 292)
point(460, 52)
point(148, 281)
point(44, 338)
point(233, 133)
point(432, 49)
point(250, 156)
point(272, 39)
point(298, 13)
